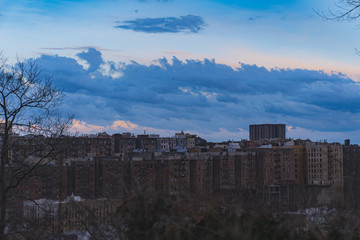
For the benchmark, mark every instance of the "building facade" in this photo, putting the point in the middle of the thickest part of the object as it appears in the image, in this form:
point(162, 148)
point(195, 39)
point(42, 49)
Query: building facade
point(267, 131)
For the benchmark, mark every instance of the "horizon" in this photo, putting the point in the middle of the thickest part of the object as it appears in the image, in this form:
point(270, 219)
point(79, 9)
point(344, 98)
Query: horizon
point(209, 68)
point(133, 134)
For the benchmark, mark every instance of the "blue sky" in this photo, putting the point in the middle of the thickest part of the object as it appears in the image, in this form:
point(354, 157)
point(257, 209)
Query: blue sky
point(209, 67)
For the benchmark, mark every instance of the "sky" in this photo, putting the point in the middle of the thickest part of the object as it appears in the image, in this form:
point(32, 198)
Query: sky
point(207, 67)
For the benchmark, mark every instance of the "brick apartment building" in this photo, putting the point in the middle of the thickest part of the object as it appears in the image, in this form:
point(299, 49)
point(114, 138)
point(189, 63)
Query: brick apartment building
point(111, 178)
point(278, 165)
point(81, 179)
point(143, 175)
point(300, 164)
point(113, 167)
point(325, 163)
point(123, 144)
point(267, 131)
point(201, 175)
point(351, 172)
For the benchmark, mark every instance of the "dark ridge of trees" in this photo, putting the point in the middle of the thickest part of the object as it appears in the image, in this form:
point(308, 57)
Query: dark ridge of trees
point(151, 216)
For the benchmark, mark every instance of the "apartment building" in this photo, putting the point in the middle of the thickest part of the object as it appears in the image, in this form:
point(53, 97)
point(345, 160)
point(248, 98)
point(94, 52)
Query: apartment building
point(279, 165)
point(267, 131)
point(325, 163)
point(111, 178)
point(201, 175)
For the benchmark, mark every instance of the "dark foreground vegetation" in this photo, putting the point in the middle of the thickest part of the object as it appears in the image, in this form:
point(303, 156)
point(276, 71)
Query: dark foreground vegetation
point(148, 216)
point(155, 217)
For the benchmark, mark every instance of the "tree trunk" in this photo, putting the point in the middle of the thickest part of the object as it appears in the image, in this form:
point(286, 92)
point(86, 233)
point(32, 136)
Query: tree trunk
point(3, 199)
point(3, 217)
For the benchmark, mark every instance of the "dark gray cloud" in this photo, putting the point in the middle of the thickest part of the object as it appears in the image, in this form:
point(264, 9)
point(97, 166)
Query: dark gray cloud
point(93, 57)
point(203, 95)
point(227, 98)
point(188, 23)
point(255, 18)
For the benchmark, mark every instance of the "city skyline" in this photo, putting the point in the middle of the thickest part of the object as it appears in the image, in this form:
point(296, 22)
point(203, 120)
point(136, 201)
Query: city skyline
point(210, 68)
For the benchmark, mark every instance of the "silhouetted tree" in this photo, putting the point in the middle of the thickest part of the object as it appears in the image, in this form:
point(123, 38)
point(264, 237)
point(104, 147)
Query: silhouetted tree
point(348, 10)
point(28, 101)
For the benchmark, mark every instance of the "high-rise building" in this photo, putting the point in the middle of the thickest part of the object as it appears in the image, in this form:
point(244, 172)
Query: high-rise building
point(267, 131)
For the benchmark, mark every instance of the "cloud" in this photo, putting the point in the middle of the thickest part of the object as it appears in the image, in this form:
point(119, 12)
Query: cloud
point(188, 23)
point(227, 98)
point(93, 57)
point(255, 18)
point(117, 126)
point(124, 124)
point(330, 136)
point(81, 49)
point(83, 127)
point(205, 97)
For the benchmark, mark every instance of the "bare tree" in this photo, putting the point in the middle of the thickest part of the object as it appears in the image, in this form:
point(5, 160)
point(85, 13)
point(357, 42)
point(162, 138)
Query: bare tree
point(348, 10)
point(28, 101)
